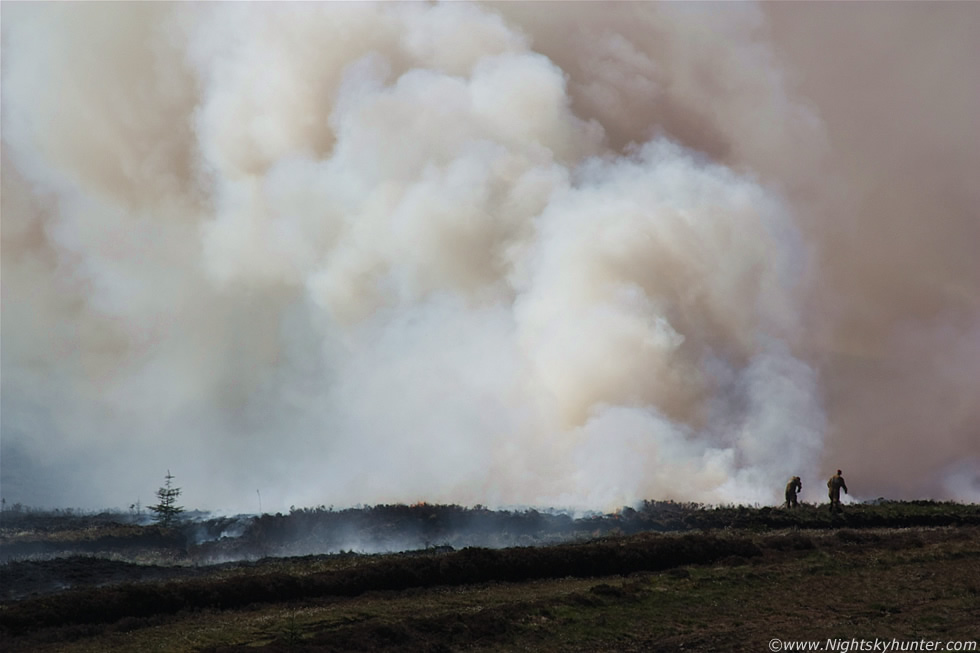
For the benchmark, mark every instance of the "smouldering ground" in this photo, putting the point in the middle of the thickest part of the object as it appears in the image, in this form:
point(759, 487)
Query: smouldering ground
point(887, 583)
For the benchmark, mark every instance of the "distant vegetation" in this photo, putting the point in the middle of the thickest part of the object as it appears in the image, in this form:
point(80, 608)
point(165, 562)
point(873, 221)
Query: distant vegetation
point(400, 527)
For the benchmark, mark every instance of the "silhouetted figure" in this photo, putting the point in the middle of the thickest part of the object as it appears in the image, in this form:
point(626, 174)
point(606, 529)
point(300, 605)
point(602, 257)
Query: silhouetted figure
point(792, 488)
point(834, 486)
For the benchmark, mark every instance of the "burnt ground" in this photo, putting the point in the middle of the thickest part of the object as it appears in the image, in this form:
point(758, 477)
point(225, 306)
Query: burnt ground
point(317, 602)
point(23, 578)
point(391, 528)
point(45, 552)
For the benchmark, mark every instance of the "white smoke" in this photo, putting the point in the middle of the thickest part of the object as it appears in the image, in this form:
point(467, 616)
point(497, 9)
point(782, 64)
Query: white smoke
point(398, 252)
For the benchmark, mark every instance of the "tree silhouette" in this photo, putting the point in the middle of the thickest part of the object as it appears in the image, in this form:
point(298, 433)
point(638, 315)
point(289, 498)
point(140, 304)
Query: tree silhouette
point(167, 510)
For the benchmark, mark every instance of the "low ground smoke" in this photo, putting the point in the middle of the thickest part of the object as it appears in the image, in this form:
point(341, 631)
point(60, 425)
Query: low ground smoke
point(487, 254)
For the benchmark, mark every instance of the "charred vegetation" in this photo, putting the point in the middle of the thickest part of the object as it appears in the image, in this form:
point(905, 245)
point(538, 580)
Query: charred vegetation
point(99, 575)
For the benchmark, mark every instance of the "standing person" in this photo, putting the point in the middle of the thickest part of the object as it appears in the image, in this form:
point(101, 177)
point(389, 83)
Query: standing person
point(792, 488)
point(834, 486)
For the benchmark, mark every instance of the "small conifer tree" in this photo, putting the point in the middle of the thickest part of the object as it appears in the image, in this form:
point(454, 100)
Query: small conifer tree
point(167, 510)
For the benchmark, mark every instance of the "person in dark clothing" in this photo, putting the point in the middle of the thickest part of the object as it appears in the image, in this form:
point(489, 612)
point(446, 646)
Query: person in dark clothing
point(834, 486)
point(792, 488)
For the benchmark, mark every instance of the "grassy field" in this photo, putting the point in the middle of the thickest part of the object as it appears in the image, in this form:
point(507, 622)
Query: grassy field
point(731, 589)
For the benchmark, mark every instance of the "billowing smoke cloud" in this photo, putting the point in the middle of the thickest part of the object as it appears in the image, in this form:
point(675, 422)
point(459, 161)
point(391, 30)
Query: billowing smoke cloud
point(498, 254)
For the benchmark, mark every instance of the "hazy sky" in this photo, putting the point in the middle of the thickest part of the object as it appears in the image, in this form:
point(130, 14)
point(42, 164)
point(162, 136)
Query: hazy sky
point(510, 254)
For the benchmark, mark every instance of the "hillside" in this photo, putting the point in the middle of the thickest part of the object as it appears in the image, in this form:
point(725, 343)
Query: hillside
point(905, 570)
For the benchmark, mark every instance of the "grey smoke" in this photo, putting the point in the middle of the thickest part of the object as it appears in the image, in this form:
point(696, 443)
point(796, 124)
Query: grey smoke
point(489, 253)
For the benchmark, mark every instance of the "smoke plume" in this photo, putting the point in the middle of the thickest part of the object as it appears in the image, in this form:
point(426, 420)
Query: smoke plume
point(489, 253)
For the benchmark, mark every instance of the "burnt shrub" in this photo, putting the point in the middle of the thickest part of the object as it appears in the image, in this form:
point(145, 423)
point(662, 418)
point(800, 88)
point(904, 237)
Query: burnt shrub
point(471, 565)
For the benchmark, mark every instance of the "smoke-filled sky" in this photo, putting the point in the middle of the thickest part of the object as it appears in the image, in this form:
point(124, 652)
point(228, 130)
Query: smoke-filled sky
point(569, 254)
